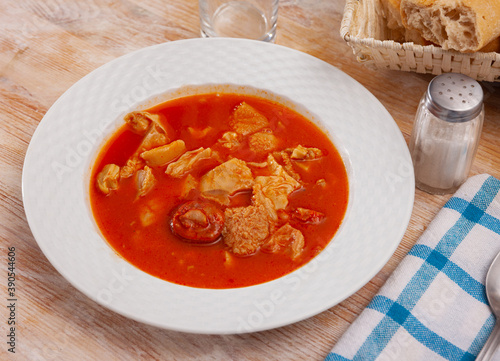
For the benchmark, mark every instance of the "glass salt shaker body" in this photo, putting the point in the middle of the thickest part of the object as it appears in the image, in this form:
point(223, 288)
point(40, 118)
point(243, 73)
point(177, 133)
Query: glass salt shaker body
point(446, 133)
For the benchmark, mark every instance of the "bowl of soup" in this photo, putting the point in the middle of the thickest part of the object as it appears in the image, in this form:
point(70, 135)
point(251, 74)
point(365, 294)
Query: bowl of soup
point(217, 186)
point(218, 190)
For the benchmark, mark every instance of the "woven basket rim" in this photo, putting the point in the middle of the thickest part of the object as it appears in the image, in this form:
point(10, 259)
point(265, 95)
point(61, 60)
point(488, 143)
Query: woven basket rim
point(350, 8)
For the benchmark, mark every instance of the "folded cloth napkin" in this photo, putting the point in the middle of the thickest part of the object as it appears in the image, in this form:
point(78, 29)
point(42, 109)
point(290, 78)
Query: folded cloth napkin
point(434, 305)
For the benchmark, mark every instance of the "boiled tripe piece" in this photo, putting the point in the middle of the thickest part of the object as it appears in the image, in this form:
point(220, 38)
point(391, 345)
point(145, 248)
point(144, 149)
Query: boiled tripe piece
point(145, 181)
point(188, 161)
point(246, 120)
point(107, 179)
point(226, 179)
point(462, 25)
point(245, 229)
point(288, 238)
point(155, 136)
point(164, 154)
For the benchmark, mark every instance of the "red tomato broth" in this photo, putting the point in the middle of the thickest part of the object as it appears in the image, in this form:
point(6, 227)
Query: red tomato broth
point(156, 251)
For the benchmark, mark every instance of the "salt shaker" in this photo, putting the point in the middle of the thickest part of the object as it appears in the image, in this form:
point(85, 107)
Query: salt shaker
point(446, 132)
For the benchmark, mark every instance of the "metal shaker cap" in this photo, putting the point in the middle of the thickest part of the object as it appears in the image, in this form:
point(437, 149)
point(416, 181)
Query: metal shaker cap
point(454, 97)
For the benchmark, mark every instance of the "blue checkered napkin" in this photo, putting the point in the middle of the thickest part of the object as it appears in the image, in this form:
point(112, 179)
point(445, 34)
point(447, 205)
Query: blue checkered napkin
point(434, 306)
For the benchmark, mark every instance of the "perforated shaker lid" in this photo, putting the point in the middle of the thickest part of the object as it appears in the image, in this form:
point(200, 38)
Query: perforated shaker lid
point(454, 97)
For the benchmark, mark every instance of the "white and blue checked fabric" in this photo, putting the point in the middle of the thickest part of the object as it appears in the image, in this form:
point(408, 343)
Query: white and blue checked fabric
point(434, 305)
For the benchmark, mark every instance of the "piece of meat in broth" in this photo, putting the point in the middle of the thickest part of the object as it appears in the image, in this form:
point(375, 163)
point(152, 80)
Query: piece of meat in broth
point(134, 163)
point(139, 122)
point(245, 119)
point(303, 153)
point(188, 161)
point(245, 229)
point(259, 199)
point(277, 189)
point(156, 136)
point(288, 165)
point(160, 156)
point(277, 169)
point(188, 185)
point(145, 181)
point(308, 216)
point(287, 239)
point(262, 142)
point(226, 179)
point(108, 177)
point(230, 140)
point(278, 186)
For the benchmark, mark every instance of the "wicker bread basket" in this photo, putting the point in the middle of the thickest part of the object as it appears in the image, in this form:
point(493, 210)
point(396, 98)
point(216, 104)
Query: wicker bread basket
point(364, 28)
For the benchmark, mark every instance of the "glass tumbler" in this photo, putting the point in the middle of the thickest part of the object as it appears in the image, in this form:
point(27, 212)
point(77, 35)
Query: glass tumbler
point(250, 19)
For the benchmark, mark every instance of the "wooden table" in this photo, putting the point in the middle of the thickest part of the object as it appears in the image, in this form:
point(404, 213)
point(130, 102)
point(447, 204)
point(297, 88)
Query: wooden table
point(47, 46)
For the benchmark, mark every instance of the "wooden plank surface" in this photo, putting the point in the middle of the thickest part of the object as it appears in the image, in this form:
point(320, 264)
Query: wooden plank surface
point(47, 46)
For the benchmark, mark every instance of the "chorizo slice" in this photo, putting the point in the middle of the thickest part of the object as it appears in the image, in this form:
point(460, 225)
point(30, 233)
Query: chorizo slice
point(198, 222)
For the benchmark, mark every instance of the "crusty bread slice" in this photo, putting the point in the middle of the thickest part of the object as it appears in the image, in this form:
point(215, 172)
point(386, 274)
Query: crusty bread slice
point(395, 26)
point(392, 13)
point(462, 25)
point(492, 46)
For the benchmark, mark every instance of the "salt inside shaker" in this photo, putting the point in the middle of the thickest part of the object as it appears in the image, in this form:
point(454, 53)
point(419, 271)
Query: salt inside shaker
point(446, 132)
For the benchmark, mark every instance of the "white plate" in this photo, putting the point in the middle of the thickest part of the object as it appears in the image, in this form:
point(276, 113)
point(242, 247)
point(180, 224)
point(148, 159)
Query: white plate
point(58, 161)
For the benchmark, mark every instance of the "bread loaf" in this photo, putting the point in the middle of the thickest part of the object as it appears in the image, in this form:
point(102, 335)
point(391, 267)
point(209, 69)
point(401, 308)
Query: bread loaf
point(395, 26)
point(462, 25)
point(392, 13)
point(492, 46)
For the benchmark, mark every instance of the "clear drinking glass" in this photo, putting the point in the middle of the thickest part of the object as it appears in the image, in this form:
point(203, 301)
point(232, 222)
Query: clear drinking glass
point(250, 19)
point(446, 133)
